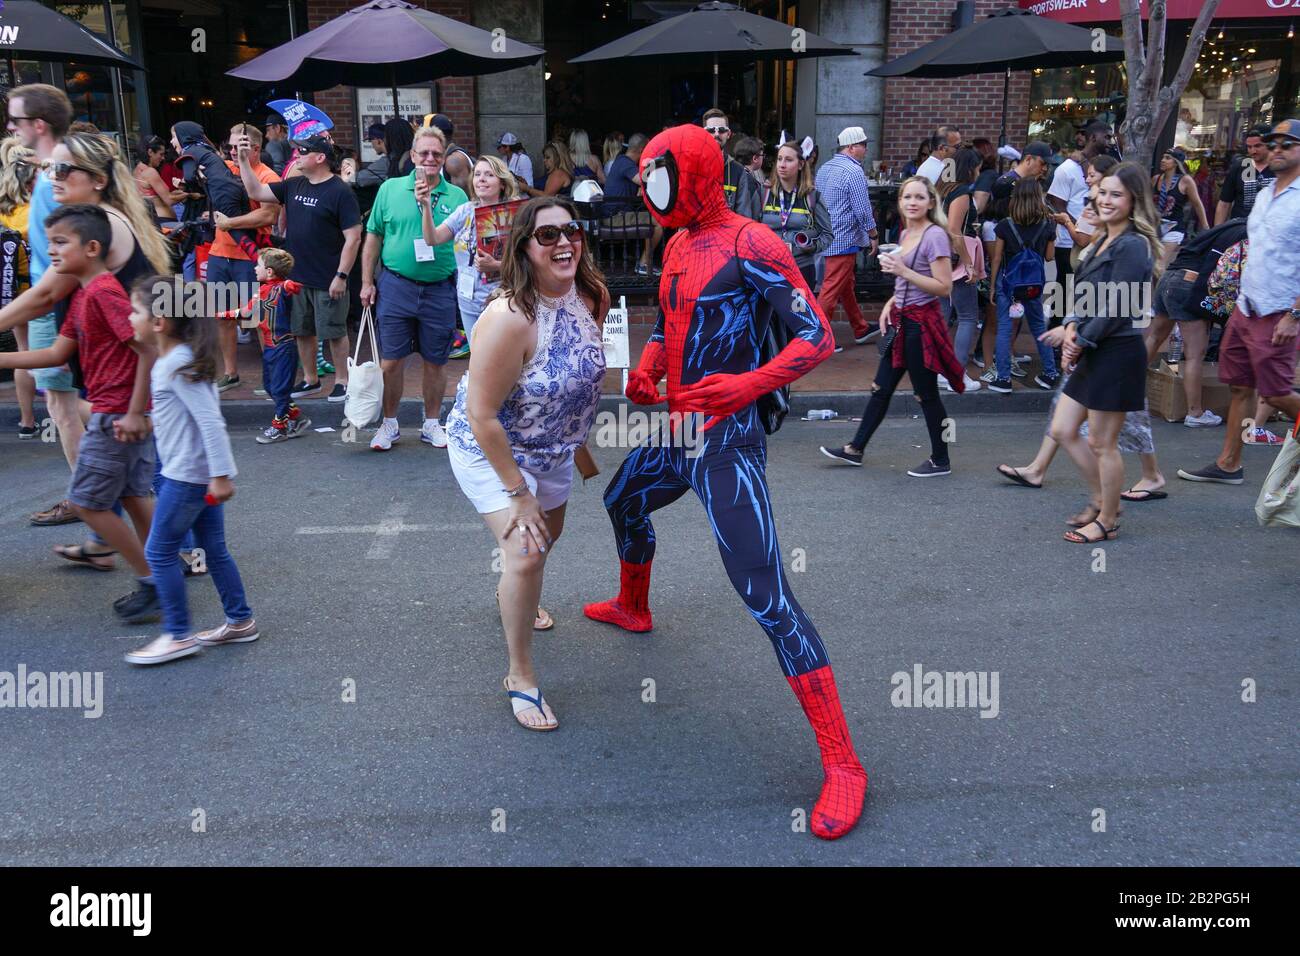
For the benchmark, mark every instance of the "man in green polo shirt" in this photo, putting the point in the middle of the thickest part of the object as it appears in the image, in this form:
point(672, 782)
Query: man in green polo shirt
point(416, 288)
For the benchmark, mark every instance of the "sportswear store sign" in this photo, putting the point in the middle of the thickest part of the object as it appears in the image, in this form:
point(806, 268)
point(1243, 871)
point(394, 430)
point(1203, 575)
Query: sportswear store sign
point(1098, 11)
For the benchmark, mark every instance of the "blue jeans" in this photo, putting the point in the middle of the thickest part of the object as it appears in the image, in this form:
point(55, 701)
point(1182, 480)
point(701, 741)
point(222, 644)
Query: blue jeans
point(1037, 326)
point(188, 543)
point(180, 509)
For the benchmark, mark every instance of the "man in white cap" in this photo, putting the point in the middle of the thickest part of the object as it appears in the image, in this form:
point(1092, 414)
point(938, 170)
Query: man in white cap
point(842, 182)
point(512, 151)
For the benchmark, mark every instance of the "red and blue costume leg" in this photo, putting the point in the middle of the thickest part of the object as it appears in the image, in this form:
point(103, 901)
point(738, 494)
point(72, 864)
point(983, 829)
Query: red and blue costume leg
point(723, 278)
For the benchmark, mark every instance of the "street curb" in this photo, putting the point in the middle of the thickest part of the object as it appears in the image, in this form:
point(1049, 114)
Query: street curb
point(247, 412)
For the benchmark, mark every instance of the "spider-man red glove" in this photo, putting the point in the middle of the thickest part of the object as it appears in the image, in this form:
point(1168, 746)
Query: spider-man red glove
point(723, 394)
point(642, 383)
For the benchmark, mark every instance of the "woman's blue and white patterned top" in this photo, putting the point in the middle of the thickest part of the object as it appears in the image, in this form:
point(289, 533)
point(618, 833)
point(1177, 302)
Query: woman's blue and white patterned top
point(552, 407)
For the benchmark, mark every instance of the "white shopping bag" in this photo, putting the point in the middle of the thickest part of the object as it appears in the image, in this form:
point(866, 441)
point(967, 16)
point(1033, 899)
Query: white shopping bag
point(365, 401)
point(1279, 499)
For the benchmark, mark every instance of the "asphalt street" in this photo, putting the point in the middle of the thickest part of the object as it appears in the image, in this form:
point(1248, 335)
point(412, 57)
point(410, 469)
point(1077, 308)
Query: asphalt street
point(1119, 691)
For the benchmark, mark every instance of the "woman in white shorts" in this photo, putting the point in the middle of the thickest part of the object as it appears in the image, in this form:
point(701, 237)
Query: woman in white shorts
point(523, 409)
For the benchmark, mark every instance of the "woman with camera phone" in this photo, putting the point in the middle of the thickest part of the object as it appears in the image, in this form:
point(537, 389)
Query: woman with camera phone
point(794, 210)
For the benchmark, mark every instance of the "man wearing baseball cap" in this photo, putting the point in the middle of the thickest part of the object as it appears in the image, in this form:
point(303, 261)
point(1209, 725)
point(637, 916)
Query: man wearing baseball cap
point(1258, 351)
point(842, 182)
point(512, 151)
point(276, 149)
point(323, 232)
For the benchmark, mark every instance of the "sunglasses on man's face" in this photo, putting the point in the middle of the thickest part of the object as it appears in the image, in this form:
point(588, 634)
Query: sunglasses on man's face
point(61, 171)
point(718, 130)
point(550, 235)
point(1283, 144)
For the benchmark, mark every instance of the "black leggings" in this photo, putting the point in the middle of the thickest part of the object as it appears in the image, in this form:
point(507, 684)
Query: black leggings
point(924, 382)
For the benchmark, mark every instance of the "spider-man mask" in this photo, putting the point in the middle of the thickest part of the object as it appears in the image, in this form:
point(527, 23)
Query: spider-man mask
point(681, 177)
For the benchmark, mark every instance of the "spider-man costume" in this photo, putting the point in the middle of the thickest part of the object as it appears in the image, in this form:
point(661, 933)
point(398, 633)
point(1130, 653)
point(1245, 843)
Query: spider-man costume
point(724, 276)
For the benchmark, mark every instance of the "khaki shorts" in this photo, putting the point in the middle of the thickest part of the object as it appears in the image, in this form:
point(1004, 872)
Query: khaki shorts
point(315, 313)
point(108, 469)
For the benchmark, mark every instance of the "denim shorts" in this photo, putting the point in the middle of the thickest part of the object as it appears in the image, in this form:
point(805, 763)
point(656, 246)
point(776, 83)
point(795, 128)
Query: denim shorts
point(1174, 297)
point(414, 316)
point(41, 334)
point(108, 469)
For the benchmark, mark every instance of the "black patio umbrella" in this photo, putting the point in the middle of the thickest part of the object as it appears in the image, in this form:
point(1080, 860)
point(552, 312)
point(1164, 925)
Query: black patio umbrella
point(1005, 41)
point(386, 43)
point(717, 31)
point(32, 31)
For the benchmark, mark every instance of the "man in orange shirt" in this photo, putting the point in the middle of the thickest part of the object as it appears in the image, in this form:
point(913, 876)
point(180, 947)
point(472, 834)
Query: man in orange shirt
point(229, 263)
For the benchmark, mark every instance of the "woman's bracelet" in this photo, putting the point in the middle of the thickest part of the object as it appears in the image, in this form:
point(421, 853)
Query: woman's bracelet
point(517, 490)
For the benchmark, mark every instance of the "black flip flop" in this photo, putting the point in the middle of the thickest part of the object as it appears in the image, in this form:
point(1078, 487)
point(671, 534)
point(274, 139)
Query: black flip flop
point(79, 556)
point(1143, 494)
point(1012, 474)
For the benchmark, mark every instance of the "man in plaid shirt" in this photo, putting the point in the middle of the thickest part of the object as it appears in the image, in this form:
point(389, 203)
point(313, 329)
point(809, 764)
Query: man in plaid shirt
point(842, 183)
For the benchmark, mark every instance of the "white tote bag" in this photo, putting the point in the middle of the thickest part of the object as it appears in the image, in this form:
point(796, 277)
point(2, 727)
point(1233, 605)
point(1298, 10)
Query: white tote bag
point(365, 401)
point(1279, 500)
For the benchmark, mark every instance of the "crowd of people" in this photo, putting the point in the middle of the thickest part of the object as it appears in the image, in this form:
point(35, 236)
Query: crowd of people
point(754, 253)
point(322, 239)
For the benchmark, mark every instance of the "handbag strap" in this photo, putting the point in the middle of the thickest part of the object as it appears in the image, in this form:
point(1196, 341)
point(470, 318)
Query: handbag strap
point(367, 330)
point(916, 251)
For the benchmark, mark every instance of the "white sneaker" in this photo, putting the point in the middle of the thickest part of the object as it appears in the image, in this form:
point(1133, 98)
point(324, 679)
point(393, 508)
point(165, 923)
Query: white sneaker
point(943, 383)
point(386, 436)
point(162, 649)
point(971, 384)
point(435, 435)
point(1207, 419)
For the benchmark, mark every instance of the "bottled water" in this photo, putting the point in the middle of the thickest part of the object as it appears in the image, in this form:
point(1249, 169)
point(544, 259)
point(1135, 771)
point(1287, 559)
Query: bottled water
point(1176, 346)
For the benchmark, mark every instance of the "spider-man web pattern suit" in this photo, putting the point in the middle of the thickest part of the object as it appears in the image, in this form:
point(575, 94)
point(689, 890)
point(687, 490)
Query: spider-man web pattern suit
point(723, 276)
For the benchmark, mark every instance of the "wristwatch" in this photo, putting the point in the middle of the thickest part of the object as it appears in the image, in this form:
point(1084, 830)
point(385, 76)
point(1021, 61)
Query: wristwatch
point(1294, 313)
point(341, 275)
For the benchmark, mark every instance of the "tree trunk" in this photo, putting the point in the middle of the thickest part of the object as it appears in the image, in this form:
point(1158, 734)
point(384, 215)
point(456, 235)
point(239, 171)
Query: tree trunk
point(1150, 104)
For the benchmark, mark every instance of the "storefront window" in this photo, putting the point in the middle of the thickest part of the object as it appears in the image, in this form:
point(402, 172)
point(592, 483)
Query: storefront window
point(1062, 101)
point(1241, 81)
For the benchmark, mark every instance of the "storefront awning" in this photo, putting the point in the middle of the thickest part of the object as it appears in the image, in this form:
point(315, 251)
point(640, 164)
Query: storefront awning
point(1103, 11)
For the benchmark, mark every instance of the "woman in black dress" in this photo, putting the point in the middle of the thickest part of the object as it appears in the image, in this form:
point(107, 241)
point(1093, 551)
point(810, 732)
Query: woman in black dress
point(1102, 341)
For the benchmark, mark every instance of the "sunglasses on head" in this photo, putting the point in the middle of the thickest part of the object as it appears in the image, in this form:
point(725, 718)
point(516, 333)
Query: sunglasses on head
point(61, 171)
point(550, 235)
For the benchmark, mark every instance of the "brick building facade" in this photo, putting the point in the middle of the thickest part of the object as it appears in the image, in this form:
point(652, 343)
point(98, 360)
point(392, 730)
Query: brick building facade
point(456, 96)
point(913, 107)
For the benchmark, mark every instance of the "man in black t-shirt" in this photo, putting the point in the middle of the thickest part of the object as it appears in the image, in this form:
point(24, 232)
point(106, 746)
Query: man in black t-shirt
point(1033, 162)
point(323, 231)
point(1245, 176)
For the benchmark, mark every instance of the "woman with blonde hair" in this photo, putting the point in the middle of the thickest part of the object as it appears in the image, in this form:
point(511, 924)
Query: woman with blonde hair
point(611, 150)
point(559, 171)
point(919, 346)
point(522, 414)
point(86, 168)
point(17, 174)
point(478, 271)
point(585, 164)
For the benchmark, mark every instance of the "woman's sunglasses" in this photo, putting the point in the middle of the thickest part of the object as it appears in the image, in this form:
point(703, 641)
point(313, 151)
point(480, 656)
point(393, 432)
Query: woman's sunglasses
point(550, 235)
point(61, 171)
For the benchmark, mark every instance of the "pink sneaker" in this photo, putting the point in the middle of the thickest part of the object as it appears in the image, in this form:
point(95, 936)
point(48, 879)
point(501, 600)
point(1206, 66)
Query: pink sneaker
point(229, 634)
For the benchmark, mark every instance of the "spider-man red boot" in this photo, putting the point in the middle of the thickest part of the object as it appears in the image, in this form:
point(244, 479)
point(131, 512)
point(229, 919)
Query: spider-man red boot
point(631, 609)
point(845, 785)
